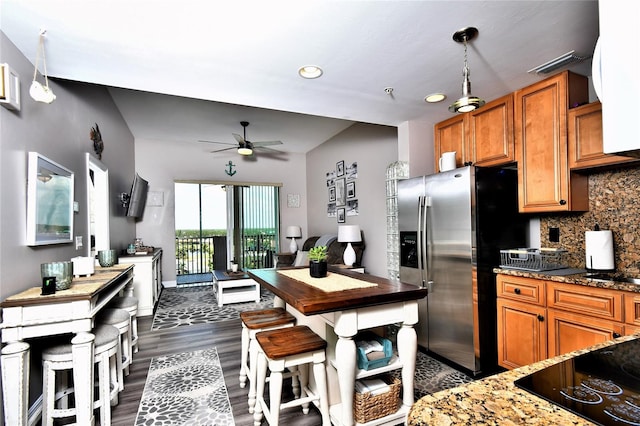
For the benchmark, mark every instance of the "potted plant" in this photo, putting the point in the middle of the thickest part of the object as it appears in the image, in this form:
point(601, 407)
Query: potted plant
point(318, 261)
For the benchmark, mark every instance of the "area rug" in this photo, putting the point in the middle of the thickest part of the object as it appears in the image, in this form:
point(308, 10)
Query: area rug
point(185, 389)
point(198, 305)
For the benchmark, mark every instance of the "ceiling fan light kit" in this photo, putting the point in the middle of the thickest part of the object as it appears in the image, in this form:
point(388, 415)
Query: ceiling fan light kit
point(467, 102)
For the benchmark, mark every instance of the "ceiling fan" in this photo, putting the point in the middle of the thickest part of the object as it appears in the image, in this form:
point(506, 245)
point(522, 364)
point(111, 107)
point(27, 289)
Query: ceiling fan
point(246, 147)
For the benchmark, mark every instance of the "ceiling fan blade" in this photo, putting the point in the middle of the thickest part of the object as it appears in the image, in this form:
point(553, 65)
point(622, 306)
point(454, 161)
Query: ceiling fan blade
point(221, 143)
point(267, 149)
point(224, 149)
point(239, 138)
point(266, 143)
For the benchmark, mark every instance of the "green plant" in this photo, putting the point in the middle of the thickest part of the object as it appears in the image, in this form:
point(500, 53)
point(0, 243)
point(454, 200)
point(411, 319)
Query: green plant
point(318, 254)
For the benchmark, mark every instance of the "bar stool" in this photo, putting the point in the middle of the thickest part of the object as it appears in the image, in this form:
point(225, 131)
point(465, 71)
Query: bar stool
point(120, 319)
point(59, 358)
point(296, 346)
point(254, 322)
point(129, 304)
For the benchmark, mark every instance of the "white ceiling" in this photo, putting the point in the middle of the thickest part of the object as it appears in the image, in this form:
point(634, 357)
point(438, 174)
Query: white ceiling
point(222, 62)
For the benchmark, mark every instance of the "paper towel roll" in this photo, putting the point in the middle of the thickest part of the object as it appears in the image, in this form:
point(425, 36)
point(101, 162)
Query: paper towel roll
point(599, 250)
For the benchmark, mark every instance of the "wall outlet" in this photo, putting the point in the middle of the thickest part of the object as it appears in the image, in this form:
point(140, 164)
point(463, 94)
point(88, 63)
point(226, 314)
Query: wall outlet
point(78, 242)
point(554, 235)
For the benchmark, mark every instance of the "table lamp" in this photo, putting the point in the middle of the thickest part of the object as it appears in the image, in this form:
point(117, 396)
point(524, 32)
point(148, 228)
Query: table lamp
point(293, 232)
point(349, 234)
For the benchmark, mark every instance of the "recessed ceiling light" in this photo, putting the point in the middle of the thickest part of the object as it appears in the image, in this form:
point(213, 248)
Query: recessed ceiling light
point(310, 71)
point(435, 97)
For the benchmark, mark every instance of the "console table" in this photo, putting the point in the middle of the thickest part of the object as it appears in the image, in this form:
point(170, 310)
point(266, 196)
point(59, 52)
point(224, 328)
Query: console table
point(28, 314)
point(347, 312)
point(235, 287)
point(147, 279)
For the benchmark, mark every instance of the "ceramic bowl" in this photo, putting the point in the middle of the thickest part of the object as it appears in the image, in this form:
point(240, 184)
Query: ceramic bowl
point(107, 258)
point(63, 271)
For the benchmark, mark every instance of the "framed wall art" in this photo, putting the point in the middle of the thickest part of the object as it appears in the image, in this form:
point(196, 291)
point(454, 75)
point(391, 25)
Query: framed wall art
point(351, 190)
point(341, 215)
point(340, 168)
point(340, 193)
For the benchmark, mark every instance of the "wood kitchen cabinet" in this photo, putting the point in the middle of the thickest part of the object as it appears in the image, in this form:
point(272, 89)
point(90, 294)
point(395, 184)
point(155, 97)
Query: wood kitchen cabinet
point(522, 329)
point(540, 117)
point(632, 309)
point(483, 137)
point(570, 331)
point(585, 139)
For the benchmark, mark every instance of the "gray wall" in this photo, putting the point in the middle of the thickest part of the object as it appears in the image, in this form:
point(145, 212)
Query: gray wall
point(373, 148)
point(59, 131)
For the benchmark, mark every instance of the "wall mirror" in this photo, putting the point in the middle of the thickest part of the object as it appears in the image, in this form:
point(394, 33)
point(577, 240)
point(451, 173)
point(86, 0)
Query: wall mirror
point(97, 206)
point(49, 202)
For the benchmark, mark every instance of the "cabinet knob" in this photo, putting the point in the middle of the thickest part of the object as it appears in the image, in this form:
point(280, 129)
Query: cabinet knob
point(540, 317)
point(563, 202)
point(516, 290)
point(616, 335)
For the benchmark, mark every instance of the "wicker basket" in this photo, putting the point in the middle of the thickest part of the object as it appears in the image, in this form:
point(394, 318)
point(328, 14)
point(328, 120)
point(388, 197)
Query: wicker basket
point(367, 407)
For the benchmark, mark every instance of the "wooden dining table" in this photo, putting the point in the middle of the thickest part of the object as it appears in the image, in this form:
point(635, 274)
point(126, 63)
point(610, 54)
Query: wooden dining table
point(29, 314)
point(349, 302)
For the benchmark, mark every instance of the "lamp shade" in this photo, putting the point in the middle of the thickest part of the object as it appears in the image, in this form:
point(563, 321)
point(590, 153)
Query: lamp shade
point(294, 232)
point(349, 234)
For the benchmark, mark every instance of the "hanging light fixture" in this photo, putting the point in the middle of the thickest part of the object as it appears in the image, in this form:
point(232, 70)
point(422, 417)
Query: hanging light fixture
point(37, 91)
point(467, 102)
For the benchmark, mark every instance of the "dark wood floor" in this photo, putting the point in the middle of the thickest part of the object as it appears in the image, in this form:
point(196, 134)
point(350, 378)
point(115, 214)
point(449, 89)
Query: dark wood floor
point(225, 336)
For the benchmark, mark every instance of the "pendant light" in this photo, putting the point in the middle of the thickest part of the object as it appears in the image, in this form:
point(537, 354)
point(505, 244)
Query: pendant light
point(37, 91)
point(467, 102)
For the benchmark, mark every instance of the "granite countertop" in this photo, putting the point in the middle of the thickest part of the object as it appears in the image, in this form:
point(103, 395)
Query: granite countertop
point(579, 278)
point(495, 400)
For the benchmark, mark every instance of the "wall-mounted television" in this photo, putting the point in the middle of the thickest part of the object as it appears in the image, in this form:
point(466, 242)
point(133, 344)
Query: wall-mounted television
point(137, 198)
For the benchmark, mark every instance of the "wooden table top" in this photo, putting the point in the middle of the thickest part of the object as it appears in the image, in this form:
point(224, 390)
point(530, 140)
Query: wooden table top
point(310, 300)
point(82, 288)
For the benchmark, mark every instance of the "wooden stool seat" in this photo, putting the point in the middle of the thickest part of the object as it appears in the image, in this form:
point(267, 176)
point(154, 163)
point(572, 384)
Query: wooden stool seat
point(294, 348)
point(266, 318)
point(285, 342)
point(254, 322)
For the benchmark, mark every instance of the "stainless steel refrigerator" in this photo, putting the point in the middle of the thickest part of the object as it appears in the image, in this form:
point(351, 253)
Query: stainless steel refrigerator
point(452, 227)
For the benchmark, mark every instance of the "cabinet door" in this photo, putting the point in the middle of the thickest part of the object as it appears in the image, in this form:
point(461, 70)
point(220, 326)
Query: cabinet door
point(588, 301)
point(522, 334)
point(491, 133)
point(450, 135)
point(632, 308)
point(520, 289)
point(569, 332)
point(541, 145)
point(585, 139)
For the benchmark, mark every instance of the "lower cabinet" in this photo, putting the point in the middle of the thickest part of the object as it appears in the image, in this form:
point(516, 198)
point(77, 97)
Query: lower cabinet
point(522, 334)
point(540, 319)
point(147, 280)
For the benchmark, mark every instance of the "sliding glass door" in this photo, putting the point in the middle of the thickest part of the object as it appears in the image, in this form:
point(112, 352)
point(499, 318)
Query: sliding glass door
point(216, 223)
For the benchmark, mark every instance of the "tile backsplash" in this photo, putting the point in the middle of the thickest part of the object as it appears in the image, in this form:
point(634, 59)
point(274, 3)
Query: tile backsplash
point(614, 203)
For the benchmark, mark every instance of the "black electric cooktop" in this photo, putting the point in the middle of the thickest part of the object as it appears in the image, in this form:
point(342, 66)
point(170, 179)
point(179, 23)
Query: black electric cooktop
point(602, 386)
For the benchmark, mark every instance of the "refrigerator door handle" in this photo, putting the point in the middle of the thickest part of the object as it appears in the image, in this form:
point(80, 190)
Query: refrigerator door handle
point(419, 238)
point(424, 250)
point(425, 242)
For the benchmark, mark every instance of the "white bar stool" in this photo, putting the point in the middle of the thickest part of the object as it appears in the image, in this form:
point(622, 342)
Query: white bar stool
point(129, 304)
point(120, 319)
point(286, 348)
point(59, 358)
point(254, 322)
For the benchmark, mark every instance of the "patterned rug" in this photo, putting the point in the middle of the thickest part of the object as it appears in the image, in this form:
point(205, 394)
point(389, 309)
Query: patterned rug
point(198, 305)
point(185, 389)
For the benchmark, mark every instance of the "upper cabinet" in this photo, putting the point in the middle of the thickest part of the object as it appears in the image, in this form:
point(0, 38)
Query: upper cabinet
point(450, 136)
point(541, 110)
point(585, 139)
point(483, 137)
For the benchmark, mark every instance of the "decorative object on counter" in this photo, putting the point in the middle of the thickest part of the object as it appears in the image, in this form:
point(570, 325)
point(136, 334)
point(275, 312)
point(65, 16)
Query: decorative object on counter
point(96, 137)
point(293, 232)
point(532, 259)
point(107, 258)
point(62, 271)
point(138, 243)
point(349, 234)
point(48, 285)
point(131, 249)
point(83, 266)
point(599, 250)
point(318, 261)
point(467, 102)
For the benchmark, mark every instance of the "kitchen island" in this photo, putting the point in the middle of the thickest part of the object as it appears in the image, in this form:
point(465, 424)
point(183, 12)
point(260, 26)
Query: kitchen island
point(348, 302)
point(496, 400)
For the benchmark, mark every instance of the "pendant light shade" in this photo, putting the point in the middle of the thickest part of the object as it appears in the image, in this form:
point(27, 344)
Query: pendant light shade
point(467, 102)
